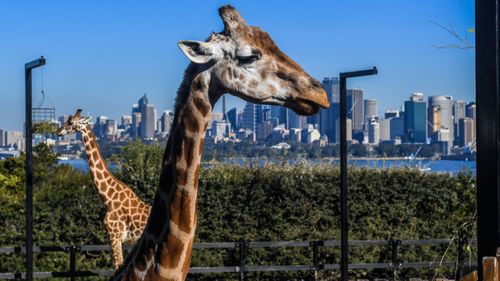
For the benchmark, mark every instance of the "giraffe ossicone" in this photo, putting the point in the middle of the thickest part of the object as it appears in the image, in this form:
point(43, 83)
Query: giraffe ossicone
point(126, 215)
point(245, 62)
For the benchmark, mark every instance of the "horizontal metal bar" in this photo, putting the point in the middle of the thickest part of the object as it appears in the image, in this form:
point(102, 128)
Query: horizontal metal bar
point(279, 244)
point(277, 268)
point(35, 63)
point(366, 72)
point(426, 242)
point(236, 269)
point(230, 245)
point(219, 245)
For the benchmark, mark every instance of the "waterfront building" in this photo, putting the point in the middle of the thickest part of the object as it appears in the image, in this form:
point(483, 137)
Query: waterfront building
point(415, 119)
point(355, 109)
point(467, 131)
point(100, 126)
point(370, 110)
point(470, 110)
point(329, 116)
point(232, 117)
point(374, 132)
point(440, 114)
point(249, 117)
point(349, 130)
point(295, 120)
point(148, 118)
point(166, 120)
point(385, 129)
point(14, 138)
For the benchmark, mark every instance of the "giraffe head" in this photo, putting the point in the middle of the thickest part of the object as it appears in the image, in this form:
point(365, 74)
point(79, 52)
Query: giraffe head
point(75, 123)
point(244, 61)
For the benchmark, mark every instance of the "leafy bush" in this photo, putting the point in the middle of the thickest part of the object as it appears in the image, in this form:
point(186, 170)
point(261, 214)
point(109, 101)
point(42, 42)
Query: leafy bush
point(275, 202)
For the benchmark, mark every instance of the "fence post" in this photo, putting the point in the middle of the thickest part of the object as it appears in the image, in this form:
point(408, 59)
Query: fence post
point(394, 243)
point(72, 261)
point(243, 249)
point(316, 266)
point(462, 241)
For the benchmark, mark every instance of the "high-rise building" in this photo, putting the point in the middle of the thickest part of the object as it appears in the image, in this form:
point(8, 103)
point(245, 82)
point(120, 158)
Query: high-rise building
point(280, 113)
point(385, 129)
point(232, 117)
point(355, 109)
point(136, 123)
point(249, 117)
point(458, 112)
point(2, 134)
point(166, 120)
point(415, 119)
point(370, 110)
point(440, 114)
point(295, 120)
point(397, 127)
point(148, 118)
point(110, 128)
point(470, 110)
point(126, 121)
point(329, 116)
point(100, 126)
point(349, 130)
point(466, 131)
point(14, 138)
point(374, 132)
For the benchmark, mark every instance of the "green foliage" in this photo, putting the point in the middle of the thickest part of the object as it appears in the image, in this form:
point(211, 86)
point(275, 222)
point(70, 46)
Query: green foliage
point(139, 165)
point(44, 127)
point(275, 202)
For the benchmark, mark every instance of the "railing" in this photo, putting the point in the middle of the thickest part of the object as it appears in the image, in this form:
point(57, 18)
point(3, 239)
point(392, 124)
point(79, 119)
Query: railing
point(242, 268)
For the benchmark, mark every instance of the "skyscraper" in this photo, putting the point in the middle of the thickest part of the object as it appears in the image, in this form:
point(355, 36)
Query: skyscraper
point(232, 117)
point(280, 113)
point(355, 109)
point(466, 131)
point(148, 118)
point(249, 117)
point(370, 110)
point(374, 132)
point(166, 121)
point(295, 120)
point(415, 119)
point(329, 116)
point(2, 134)
point(440, 116)
point(470, 110)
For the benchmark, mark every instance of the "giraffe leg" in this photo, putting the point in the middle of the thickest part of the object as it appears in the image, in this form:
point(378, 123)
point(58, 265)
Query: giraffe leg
point(116, 246)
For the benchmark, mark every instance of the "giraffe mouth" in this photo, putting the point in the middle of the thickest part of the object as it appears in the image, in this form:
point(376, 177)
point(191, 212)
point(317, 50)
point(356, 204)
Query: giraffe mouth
point(304, 107)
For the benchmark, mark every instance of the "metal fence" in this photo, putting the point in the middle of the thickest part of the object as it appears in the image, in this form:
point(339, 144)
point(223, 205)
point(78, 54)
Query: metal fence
point(242, 248)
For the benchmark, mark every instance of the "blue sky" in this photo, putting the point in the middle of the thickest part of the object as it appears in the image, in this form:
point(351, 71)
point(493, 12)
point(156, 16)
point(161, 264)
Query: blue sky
point(102, 56)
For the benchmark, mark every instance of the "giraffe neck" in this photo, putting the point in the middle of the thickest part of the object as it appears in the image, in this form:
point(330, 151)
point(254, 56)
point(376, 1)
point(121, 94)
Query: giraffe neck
point(164, 251)
point(102, 178)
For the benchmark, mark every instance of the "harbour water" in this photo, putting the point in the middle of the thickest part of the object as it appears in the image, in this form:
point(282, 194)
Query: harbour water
point(432, 166)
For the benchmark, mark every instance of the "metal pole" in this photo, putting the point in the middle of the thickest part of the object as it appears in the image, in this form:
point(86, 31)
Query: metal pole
point(344, 233)
point(29, 166)
point(488, 133)
point(344, 246)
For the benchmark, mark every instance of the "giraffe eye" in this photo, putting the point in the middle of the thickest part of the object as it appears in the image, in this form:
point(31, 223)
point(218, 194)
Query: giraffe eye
point(248, 59)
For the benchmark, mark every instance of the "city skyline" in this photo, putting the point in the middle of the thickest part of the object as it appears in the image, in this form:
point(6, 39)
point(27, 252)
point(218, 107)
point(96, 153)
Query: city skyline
point(130, 49)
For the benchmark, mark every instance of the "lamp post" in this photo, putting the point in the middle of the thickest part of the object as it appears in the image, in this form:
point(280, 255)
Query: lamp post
point(344, 245)
point(29, 165)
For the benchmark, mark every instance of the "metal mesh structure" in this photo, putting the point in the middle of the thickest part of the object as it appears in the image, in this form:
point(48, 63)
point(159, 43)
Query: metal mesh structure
point(43, 114)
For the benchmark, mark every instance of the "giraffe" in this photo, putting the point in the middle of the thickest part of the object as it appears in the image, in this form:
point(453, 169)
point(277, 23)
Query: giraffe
point(243, 61)
point(126, 214)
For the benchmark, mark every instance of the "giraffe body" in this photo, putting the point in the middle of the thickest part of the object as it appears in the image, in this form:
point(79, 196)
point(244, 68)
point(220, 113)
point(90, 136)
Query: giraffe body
point(126, 215)
point(243, 61)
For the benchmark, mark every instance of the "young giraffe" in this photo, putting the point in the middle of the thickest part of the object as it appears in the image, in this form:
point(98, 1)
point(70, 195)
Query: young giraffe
point(245, 62)
point(126, 214)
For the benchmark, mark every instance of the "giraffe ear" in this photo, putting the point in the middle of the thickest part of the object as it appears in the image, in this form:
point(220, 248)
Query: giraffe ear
point(196, 51)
